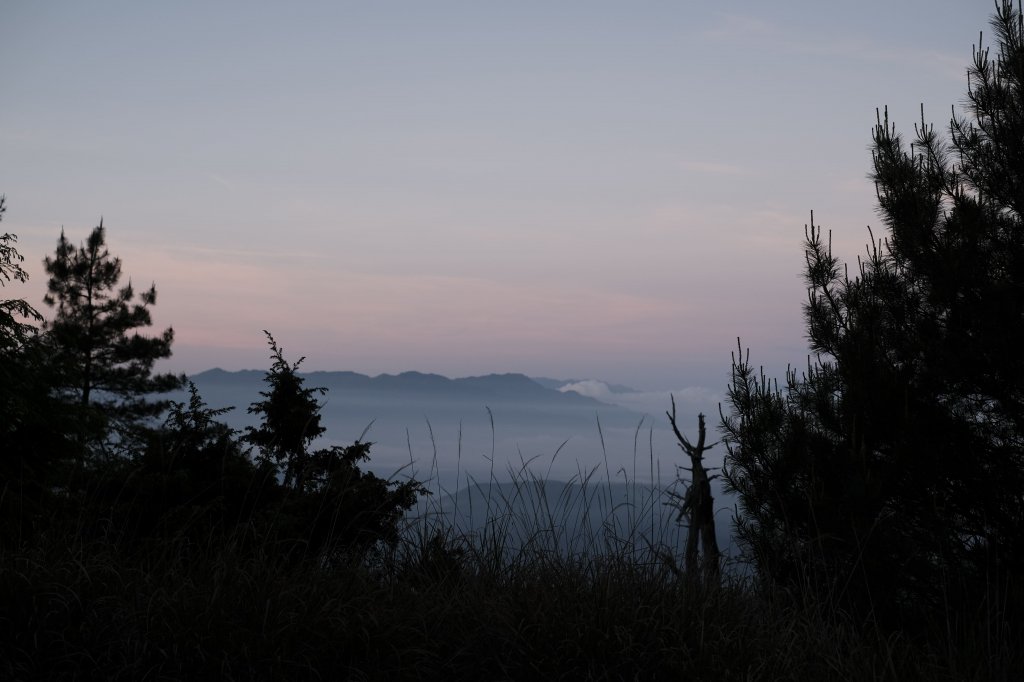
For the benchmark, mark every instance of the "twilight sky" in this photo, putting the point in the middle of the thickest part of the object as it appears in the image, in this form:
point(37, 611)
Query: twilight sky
point(574, 189)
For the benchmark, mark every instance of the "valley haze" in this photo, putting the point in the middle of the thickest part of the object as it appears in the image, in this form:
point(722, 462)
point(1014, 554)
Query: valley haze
point(581, 452)
point(429, 425)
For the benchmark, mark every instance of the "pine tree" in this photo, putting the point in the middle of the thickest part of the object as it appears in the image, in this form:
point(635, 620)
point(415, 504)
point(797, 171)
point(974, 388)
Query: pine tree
point(291, 418)
point(896, 460)
point(330, 504)
point(105, 366)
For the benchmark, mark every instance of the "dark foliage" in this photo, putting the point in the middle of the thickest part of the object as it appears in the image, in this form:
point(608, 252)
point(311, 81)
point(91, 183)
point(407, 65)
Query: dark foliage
point(893, 467)
point(32, 429)
point(195, 482)
point(191, 483)
point(105, 366)
point(328, 503)
point(14, 329)
point(291, 419)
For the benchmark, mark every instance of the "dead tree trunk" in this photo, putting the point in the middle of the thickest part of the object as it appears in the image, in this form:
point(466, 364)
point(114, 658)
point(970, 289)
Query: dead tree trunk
point(696, 505)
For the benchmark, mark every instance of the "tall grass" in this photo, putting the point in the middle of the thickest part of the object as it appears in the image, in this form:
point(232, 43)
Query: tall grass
point(535, 591)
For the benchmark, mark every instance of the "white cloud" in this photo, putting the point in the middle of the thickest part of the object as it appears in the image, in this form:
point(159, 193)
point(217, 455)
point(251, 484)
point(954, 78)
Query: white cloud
point(590, 388)
point(689, 400)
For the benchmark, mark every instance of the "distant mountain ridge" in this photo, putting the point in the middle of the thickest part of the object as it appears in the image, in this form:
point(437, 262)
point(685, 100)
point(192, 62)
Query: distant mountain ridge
point(497, 388)
point(427, 425)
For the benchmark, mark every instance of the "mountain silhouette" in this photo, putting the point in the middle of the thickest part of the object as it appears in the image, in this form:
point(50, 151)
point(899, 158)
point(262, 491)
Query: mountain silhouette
point(414, 386)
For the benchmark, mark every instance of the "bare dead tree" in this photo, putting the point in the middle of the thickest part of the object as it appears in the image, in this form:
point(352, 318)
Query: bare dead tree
point(696, 505)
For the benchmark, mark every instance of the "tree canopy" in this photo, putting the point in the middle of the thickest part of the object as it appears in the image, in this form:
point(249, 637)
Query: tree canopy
point(290, 418)
point(105, 364)
point(336, 505)
point(896, 459)
point(13, 312)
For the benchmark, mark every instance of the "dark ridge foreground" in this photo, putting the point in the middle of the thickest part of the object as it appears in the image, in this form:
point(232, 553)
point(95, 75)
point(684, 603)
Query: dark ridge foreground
point(443, 605)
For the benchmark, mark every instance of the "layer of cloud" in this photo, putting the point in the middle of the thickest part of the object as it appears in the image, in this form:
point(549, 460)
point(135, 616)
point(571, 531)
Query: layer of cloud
point(689, 400)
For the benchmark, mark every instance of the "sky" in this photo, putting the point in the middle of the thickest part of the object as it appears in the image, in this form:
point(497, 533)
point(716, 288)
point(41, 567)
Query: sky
point(592, 190)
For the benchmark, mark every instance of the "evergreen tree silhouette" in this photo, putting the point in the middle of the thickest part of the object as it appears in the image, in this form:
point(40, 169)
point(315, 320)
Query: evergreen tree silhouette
point(896, 460)
point(105, 365)
point(290, 418)
point(329, 503)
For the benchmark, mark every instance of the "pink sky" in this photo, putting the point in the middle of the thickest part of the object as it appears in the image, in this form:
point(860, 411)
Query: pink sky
point(565, 189)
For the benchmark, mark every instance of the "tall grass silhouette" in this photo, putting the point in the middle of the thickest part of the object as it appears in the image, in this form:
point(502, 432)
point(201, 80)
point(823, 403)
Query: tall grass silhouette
point(516, 576)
